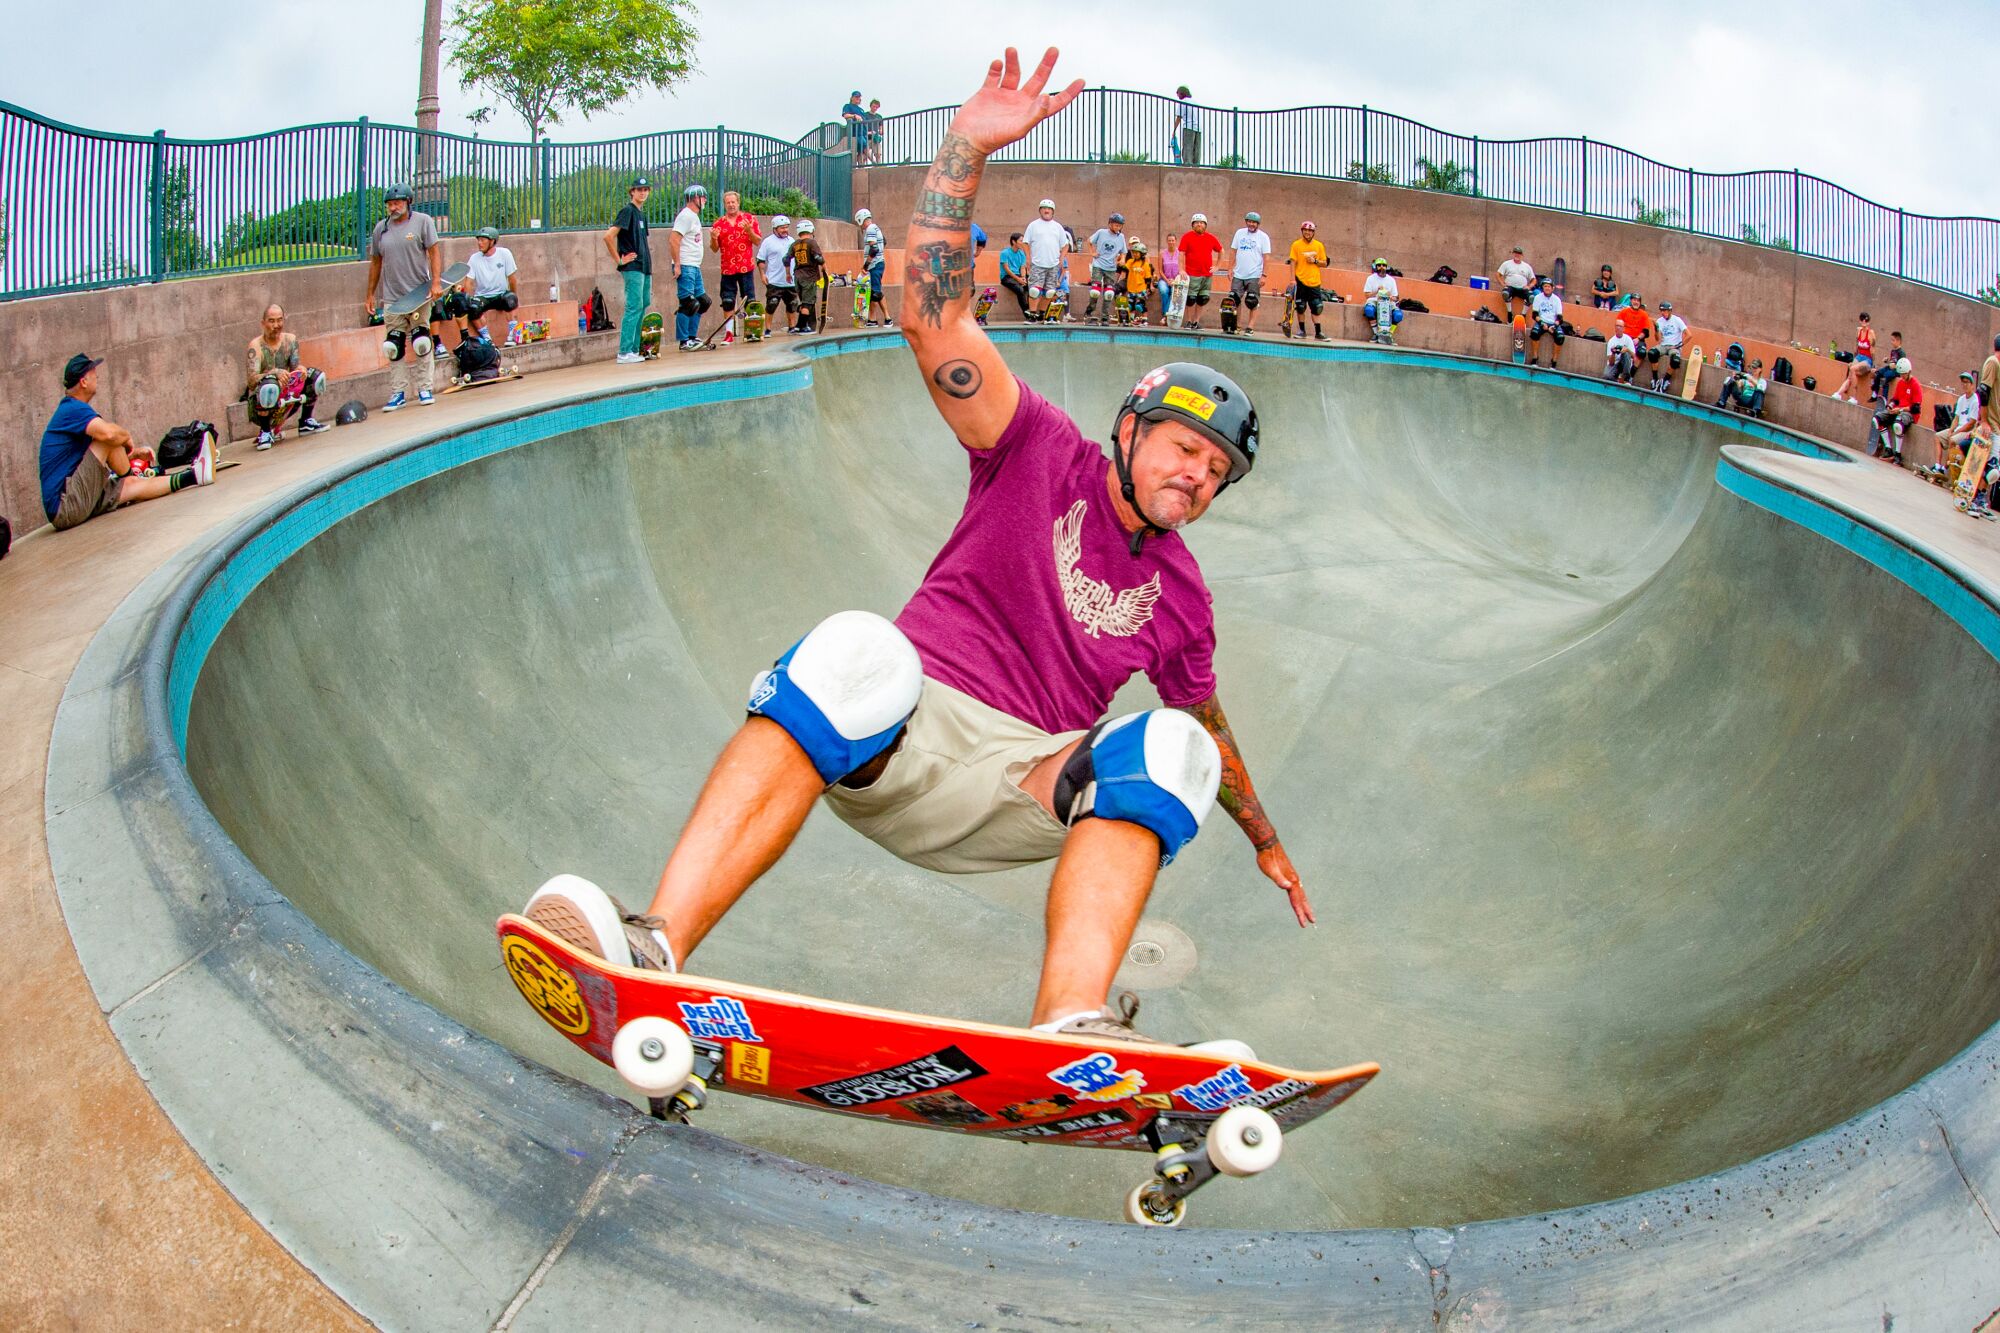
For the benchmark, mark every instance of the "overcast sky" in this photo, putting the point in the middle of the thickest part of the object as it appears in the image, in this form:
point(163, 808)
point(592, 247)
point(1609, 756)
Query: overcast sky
point(1718, 87)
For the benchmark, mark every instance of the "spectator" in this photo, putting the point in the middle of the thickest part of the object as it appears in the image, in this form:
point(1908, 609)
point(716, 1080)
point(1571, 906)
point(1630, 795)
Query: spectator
point(1517, 283)
point(780, 287)
point(1743, 389)
point(1621, 356)
point(1170, 269)
point(855, 120)
point(1137, 274)
point(1307, 259)
point(1048, 241)
point(87, 462)
point(1547, 321)
point(809, 276)
point(875, 258)
point(1604, 291)
point(632, 252)
point(1863, 362)
point(1905, 405)
point(491, 284)
point(1380, 285)
point(1187, 129)
point(1198, 251)
point(1635, 323)
point(978, 242)
point(1107, 245)
point(402, 256)
point(691, 300)
point(735, 238)
point(1885, 378)
point(1672, 330)
point(276, 383)
point(1246, 279)
point(1956, 441)
point(871, 124)
point(1014, 271)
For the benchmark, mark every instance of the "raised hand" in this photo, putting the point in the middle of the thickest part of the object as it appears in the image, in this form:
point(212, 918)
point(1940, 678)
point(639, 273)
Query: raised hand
point(1005, 108)
point(1277, 867)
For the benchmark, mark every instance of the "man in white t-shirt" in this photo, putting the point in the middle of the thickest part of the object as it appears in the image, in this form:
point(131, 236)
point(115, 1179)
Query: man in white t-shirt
point(1673, 331)
point(687, 251)
point(875, 262)
point(1954, 441)
point(1047, 241)
point(780, 287)
point(489, 284)
point(1546, 322)
point(1517, 283)
point(1246, 279)
point(1621, 357)
point(1380, 285)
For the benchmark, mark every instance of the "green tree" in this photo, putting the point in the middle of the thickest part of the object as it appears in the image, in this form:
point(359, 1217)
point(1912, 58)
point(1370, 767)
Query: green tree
point(1752, 236)
point(1127, 155)
point(546, 59)
point(1446, 178)
point(1375, 175)
point(1233, 162)
point(180, 230)
point(1646, 215)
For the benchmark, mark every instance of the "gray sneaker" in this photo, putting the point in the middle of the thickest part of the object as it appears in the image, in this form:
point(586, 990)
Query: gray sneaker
point(585, 917)
point(1110, 1024)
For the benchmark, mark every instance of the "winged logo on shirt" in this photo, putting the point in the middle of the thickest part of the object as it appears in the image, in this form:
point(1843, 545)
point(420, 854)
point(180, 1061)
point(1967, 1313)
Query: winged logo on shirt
point(1091, 601)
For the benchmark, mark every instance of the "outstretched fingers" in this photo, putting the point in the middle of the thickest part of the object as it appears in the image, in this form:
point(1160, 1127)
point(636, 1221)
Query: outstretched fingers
point(993, 74)
point(1040, 78)
point(1058, 101)
point(1012, 78)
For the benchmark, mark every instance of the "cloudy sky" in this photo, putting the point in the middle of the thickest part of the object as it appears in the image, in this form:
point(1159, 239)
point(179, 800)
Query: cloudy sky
point(1719, 87)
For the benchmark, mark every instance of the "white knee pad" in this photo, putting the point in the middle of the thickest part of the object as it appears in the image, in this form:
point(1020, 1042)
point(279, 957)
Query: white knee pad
point(842, 692)
point(1159, 769)
point(420, 345)
point(268, 393)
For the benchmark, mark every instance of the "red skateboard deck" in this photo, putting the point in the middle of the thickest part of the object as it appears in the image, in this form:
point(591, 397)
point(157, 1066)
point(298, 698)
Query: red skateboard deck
point(934, 1073)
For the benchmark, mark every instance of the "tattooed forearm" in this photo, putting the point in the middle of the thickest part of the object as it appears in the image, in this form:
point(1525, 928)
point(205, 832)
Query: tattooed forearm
point(960, 379)
point(946, 212)
point(940, 272)
point(1237, 796)
point(939, 243)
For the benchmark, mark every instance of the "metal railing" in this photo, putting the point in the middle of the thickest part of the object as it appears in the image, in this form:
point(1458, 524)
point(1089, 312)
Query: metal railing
point(1784, 209)
point(82, 209)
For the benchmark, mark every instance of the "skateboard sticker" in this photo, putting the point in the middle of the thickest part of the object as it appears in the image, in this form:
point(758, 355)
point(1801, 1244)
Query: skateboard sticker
point(1216, 1092)
point(1097, 1078)
point(946, 1108)
point(549, 988)
point(1108, 1117)
point(1055, 1104)
point(923, 1074)
point(722, 1018)
point(749, 1064)
point(1155, 1101)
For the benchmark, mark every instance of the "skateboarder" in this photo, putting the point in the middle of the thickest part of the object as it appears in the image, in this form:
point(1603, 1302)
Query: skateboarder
point(1047, 241)
point(780, 284)
point(1546, 323)
point(1307, 259)
point(875, 259)
point(970, 735)
point(1107, 245)
point(1380, 286)
point(403, 255)
point(87, 460)
point(1137, 275)
point(1672, 331)
point(277, 382)
point(691, 302)
point(1517, 284)
point(1246, 278)
point(632, 253)
point(808, 275)
point(1198, 251)
point(1863, 364)
point(735, 238)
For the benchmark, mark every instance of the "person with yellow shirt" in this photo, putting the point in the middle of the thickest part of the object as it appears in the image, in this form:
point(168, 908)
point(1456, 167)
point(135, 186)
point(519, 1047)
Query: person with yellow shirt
point(1136, 271)
point(1307, 258)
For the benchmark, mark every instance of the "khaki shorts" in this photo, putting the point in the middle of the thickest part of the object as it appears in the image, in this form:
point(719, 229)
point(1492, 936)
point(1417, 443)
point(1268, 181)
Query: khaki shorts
point(91, 490)
point(951, 799)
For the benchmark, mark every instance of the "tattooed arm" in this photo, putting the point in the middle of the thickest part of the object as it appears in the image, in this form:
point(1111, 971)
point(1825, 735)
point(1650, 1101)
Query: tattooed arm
point(971, 385)
point(1239, 798)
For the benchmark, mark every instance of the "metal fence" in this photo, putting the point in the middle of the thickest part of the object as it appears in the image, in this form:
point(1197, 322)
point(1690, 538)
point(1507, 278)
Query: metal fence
point(1786, 209)
point(81, 209)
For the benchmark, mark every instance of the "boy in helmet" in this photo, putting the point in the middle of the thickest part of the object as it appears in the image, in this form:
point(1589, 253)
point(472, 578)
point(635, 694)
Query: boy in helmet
point(780, 283)
point(687, 252)
point(1136, 276)
point(491, 284)
point(875, 260)
point(972, 733)
point(1547, 322)
point(1307, 259)
point(809, 275)
point(403, 256)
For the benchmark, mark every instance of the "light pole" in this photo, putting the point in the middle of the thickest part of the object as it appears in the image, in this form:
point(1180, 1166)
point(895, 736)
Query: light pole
point(429, 183)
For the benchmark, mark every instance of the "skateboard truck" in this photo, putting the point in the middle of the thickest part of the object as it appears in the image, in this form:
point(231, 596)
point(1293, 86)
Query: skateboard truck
point(1243, 1141)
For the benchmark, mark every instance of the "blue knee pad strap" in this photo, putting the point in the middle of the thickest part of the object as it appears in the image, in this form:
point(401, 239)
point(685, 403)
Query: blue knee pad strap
point(843, 692)
point(1158, 769)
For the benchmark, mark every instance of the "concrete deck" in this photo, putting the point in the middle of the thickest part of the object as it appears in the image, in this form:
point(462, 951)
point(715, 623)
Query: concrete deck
point(1437, 581)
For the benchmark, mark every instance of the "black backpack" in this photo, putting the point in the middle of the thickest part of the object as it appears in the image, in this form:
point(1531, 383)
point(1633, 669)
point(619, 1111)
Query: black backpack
point(600, 318)
point(179, 445)
point(1445, 274)
point(1413, 305)
point(1781, 371)
point(477, 359)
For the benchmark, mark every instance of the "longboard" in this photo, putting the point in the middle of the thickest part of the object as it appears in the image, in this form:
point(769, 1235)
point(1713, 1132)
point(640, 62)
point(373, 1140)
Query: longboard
point(1973, 470)
point(861, 301)
point(987, 295)
point(955, 1075)
point(1177, 304)
point(1559, 276)
point(1691, 376)
point(652, 328)
point(1520, 340)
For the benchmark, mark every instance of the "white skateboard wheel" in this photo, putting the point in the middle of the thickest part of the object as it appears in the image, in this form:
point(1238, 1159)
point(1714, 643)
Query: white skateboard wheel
point(653, 1055)
point(1243, 1141)
point(1225, 1048)
point(1137, 1212)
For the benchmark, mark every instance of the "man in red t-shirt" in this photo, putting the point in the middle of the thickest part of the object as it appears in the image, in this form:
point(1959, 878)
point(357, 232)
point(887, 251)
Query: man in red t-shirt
point(1636, 324)
point(1199, 249)
point(735, 235)
point(1905, 405)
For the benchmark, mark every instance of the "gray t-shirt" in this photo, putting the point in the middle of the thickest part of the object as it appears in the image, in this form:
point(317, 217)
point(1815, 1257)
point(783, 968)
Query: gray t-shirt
point(405, 251)
point(1110, 248)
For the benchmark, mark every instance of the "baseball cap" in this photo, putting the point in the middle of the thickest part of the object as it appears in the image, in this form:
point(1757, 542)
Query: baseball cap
point(1517, 250)
point(1252, 217)
point(640, 183)
point(79, 365)
point(1965, 375)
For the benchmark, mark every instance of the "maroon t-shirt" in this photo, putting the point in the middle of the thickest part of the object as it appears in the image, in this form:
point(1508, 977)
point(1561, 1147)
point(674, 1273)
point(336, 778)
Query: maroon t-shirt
point(1036, 604)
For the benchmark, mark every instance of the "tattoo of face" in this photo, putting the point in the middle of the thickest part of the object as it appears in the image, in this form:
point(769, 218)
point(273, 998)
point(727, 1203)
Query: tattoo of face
point(940, 273)
point(959, 379)
point(957, 159)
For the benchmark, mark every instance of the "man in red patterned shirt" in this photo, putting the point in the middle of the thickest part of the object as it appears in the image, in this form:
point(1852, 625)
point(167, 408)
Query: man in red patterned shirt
point(735, 235)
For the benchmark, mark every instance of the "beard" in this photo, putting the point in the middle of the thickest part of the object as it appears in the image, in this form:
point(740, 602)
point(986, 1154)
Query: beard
point(1172, 506)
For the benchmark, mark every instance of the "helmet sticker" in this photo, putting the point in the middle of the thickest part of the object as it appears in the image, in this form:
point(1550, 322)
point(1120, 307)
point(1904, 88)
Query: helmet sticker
point(1189, 401)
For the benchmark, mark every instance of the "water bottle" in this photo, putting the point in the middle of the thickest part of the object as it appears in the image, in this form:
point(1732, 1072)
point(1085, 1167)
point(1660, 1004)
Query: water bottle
point(582, 318)
point(513, 331)
point(555, 293)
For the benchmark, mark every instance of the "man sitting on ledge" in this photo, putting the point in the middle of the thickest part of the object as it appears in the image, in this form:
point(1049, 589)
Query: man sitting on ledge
point(87, 462)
